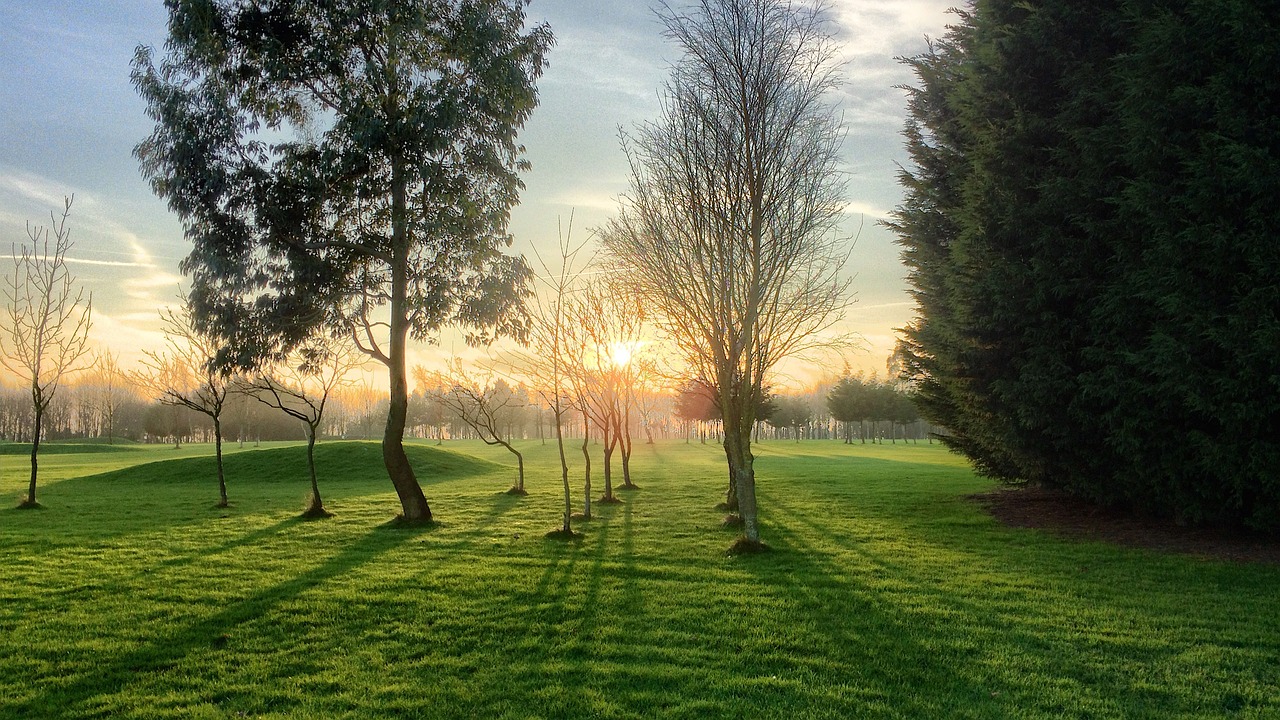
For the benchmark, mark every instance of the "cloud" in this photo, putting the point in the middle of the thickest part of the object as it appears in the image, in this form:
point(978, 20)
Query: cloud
point(107, 263)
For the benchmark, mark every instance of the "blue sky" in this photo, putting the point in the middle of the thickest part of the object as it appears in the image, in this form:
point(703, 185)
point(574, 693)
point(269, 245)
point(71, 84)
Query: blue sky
point(70, 119)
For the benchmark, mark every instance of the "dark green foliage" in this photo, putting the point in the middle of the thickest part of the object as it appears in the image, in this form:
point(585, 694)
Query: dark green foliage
point(316, 151)
point(1090, 227)
point(789, 411)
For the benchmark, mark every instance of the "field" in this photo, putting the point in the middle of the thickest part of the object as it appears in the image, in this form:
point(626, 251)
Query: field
point(886, 594)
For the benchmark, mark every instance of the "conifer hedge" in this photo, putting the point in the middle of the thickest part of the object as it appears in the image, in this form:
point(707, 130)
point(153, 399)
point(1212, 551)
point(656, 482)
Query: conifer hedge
point(1091, 225)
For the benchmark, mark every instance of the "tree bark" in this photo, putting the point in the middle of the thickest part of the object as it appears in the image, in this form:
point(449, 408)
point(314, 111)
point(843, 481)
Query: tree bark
point(564, 464)
point(413, 503)
point(737, 445)
point(586, 457)
point(610, 443)
point(316, 503)
point(217, 451)
point(35, 449)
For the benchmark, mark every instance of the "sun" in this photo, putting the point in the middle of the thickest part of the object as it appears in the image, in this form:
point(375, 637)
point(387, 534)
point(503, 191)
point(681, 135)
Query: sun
point(620, 353)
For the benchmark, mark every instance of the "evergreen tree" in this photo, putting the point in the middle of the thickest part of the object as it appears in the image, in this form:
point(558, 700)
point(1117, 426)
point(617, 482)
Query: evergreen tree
point(1087, 228)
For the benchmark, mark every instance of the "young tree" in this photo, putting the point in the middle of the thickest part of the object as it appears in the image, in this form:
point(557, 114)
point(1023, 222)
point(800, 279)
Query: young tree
point(49, 316)
point(185, 374)
point(385, 190)
point(543, 363)
point(483, 405)
point(111, 392)
point(729, 231)
point(301, 387)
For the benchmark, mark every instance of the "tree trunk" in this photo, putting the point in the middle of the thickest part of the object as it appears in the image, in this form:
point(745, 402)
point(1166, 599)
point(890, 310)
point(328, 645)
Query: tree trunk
point(610, 443)
point(217, 451)
point(564, 463)
point(316, 504)
point(35, 449)
point(737, 445)
point(626, 459)
point(413, 503)
point(586, 456)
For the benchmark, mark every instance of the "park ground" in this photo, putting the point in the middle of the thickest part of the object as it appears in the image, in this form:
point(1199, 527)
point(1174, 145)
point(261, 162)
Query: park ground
point(889, 592)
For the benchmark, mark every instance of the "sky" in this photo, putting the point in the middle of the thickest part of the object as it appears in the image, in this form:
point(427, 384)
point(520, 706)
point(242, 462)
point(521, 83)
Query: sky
point(69, 119)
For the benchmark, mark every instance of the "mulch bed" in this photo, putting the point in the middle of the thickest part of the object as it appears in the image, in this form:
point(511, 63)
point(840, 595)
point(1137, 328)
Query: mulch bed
point(1059, 513)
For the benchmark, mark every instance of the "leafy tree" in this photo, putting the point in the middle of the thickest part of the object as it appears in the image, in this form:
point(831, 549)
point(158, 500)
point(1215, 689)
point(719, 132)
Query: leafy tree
point(846, 401)
point(696, 402)
point(1088, 230)
point(791, 411)
point(729, 231)
point(345, 162)
point(46, 336)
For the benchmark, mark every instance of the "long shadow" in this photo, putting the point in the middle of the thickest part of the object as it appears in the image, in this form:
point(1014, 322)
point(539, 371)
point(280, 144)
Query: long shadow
point(958, 665)
point(114, 672)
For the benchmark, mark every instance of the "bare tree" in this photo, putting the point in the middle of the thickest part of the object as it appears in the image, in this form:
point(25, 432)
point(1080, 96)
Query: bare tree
point(49, 317)
point(111, 391)
point(482, 404)
point(543, 363)
point(301, 387)
point(183, 374)
point(604, 334)
point(730, 228)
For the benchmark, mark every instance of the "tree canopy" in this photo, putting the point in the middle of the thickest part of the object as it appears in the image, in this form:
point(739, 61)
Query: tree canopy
point(348, 162)
point(1089, 227)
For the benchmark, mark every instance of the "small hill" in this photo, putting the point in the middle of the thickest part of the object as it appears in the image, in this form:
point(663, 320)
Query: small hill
point(335, 462)
point(69, 448)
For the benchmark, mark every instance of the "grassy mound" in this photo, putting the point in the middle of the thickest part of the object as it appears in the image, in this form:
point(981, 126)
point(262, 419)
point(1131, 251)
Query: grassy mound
point(79, 447)
point(340, 461)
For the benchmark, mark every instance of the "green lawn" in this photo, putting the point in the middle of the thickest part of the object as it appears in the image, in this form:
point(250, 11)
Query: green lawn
point(887, 594)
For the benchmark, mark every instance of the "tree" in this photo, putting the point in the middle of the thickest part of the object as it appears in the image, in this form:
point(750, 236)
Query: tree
point(111, 391)
point(381, 198)
point(729, 230)
point(49, 317)
point(845, 401)
point(301, 387)
point(483, 405)
point(791, 411)
point(1088, 223)
point(542, 362)
point(185, 374)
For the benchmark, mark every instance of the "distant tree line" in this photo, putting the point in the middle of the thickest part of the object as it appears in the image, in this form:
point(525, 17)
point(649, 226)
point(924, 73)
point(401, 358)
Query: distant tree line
point(1090, 227)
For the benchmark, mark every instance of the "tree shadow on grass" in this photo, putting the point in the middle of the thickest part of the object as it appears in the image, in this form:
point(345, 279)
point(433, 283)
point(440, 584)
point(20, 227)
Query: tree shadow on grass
point(990, 654)
point(111, 673)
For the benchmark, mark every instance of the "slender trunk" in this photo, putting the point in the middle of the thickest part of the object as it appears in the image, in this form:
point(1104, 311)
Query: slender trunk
point(316, 502)
point(412, 502)
point(610, 442)
point(519, 461)
point(624, 446)
point(564, 463)
point(35, 450)
point(626, 457)
point(586, 456)
point(217, 451)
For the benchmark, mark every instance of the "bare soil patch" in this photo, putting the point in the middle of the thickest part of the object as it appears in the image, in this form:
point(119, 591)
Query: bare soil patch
point(1062, 514)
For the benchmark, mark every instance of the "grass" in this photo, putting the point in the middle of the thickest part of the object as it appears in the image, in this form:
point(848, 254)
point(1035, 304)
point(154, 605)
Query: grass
point(884, 594)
